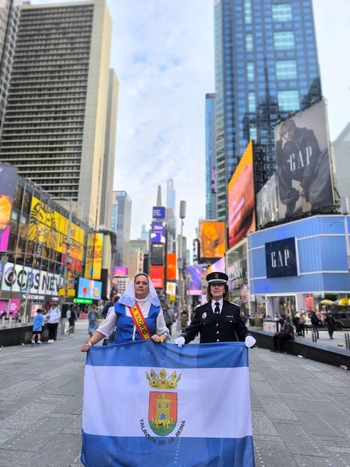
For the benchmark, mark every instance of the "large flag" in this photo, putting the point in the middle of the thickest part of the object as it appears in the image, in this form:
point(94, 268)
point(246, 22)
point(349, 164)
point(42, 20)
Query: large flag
point(148, 404)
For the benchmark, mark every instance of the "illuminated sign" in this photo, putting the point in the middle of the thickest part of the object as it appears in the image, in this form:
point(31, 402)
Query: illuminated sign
point(88, 288)
point(158, 212)
point(120, 271)
point(281, 258)
point(82, 301)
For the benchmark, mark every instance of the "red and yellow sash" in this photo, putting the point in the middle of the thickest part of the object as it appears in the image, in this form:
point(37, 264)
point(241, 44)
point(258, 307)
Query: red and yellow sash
point(139, 321)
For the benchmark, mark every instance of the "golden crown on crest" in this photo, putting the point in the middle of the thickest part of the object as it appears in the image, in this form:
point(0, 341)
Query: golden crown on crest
point(162, 380)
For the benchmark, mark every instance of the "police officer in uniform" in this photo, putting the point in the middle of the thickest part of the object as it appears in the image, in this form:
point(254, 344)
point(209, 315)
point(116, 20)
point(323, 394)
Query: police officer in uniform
point(218, 320)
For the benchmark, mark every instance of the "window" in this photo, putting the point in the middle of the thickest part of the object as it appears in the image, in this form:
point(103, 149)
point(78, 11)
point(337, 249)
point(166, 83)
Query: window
point(284, 40)
point(286, 69)
point(288, 100)
point(249, 43)
point(282, 12)
point(252, 132)
point(251, 102)
point(247, 11)
point(250, 71)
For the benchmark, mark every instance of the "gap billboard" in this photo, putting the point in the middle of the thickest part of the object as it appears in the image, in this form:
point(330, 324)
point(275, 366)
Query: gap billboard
point(304, 177)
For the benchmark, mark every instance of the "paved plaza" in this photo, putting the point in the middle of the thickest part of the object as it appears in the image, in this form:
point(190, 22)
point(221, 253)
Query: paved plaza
point(300, 408)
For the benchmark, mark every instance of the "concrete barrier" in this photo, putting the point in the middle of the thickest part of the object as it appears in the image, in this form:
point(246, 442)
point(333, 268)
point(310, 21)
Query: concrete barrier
point(300, 347)
point(19, 334)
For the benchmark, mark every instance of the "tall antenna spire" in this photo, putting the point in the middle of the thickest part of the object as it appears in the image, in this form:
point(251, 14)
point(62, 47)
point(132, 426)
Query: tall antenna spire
point(159, 196)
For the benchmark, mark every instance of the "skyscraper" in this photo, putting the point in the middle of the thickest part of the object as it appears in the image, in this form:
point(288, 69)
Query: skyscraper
point(59, 127)
point(9, 18)
point(266, 67)
point(123, 227)
point(170, 194)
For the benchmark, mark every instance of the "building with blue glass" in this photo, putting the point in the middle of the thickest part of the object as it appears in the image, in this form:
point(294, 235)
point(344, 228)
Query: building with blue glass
point(210, 163)
point(266, 68)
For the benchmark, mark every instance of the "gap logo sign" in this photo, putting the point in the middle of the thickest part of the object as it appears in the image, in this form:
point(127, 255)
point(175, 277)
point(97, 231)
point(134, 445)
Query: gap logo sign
point(282, 258)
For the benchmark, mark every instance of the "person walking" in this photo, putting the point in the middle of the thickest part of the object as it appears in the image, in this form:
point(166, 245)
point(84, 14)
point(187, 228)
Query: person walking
point(53, 318)
point(137, 316)
point(38, 324)
point(315, 323)
point(92, 317)
point(329, 321)
point(71, 320)
point(218, 320)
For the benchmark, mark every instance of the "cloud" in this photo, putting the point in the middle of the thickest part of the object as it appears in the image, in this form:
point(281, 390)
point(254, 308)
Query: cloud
point(163, 55)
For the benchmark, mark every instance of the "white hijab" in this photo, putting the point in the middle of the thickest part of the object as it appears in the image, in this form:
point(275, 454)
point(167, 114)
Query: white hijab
point(128, 298)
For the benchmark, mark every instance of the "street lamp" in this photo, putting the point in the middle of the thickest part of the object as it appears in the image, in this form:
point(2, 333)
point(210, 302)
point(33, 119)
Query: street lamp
point(180, 261)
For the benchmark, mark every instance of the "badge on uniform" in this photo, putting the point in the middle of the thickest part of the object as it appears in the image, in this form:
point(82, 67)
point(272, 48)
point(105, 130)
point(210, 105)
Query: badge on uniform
point(204, 315)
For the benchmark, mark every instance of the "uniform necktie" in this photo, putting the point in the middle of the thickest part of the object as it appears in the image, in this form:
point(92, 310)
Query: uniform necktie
point(217, 307)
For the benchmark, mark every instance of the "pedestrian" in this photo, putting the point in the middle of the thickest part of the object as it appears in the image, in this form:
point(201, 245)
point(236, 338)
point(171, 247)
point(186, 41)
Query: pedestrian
point(218, 320)
point(302, 322)
point(38, 324)
point(184, 320)
point(329, 321)
point(286, 333)
point(71, 320)
point(53, 318)
point(315, 323)
point(111, 310)
point(168, 313)
point(92, 318)
point(107, 306)
point(137, 315)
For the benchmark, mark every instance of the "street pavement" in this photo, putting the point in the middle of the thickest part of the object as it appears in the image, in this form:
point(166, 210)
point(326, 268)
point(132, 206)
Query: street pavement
point(300, 408)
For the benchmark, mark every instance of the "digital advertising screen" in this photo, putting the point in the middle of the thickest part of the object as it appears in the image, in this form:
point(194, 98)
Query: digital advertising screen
point(241, 199)
point(120, 271)
point(89, 288)
point(212, 239)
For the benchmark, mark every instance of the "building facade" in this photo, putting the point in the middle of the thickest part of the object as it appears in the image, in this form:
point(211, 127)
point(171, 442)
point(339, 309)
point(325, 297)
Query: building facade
point(266, 67)
point(210, 161)
point(60, 116)
point(9, 19)
point(123, 227)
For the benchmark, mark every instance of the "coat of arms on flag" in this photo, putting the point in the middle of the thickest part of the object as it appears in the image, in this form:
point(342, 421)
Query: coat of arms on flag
point(155, 405)
point(162, 409)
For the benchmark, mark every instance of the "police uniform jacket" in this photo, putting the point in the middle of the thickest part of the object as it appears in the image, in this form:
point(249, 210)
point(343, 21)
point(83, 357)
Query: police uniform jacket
point(227, 326)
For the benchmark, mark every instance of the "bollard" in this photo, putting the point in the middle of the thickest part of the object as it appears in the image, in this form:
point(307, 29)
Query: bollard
point(63, 325)
point(347, 341)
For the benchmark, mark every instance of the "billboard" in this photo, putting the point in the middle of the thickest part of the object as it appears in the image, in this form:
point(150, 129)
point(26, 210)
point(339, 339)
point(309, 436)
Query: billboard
point(241, 202)
point(93, 263)
point(157, 232)
point(50, 228)
point(89, 288)
point(8, 181)
point(212, 239)
point(304, 178)
point(120, 271)
point(267, 203)
point(158, 212)
point(157, 276)
point(18, 278)
point(171, 267)
point(281, 258)
point(196, 285)
point(157, 254)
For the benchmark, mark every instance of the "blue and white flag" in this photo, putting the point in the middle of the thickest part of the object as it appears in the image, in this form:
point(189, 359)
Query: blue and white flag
point(148, 404)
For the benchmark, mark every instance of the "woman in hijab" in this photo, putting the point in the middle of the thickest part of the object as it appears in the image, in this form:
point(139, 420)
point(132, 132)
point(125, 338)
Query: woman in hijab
point(138, 316)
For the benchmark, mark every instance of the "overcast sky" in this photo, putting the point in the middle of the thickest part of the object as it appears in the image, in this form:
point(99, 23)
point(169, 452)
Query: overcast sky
point(163, 56)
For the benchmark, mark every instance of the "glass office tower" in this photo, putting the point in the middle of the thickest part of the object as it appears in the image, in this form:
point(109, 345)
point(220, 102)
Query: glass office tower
point(266, 68)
